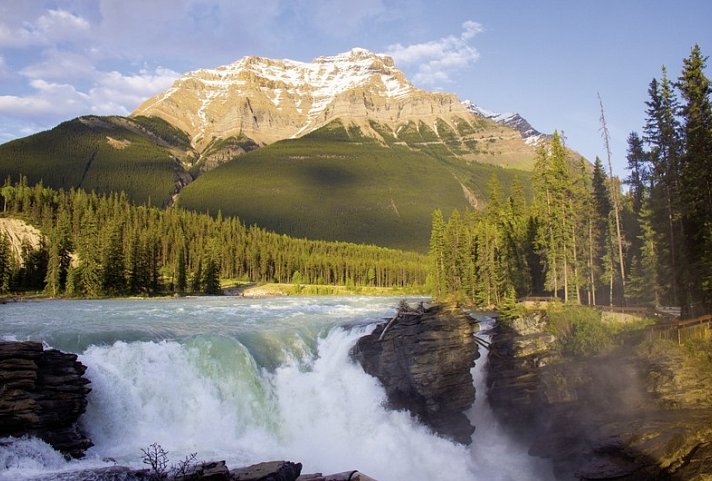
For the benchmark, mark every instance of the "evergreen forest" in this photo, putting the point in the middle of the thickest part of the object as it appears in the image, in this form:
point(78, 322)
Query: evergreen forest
point(587, 237)
point(103, 245)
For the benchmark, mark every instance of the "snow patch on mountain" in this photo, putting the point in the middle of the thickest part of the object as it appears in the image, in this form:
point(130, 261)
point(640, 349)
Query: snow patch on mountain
point(511, 119)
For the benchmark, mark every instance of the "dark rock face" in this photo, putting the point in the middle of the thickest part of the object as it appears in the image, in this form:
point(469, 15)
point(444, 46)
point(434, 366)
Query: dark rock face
point(424, 361)
point(595, 418)
point(43, 393)
point(269, 471)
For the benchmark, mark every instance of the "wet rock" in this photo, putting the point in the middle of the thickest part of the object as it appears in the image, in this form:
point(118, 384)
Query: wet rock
point(43, 394)
point(270, 471)
point(423, 360)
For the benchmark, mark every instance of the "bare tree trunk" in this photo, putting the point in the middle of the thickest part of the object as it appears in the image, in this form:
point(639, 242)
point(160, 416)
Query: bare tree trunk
point(616, 203)
point(576, 277)
point(564, 253)
point(590, 262)
point(551, 244)
point(673, 263)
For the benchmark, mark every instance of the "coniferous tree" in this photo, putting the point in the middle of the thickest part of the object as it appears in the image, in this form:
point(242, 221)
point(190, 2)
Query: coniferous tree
point(181, 277)
point(89, 269)
point(661, 133)
point(114, 280)
point(696, 175)
point(437, 254)
point(5, 263)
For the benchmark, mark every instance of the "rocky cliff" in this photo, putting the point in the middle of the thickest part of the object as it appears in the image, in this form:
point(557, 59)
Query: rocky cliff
point(269, 100)
point(612, 416)
point(423, 359)
point(43, 393)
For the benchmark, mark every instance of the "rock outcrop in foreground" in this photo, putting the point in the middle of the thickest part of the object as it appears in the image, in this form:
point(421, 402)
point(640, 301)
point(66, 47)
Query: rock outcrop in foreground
point(213, 471)
point(625, 415)
point(423, 359)
point(43, 393)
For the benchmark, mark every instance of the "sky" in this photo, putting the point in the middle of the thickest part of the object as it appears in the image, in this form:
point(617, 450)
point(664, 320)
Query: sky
point(548, 60)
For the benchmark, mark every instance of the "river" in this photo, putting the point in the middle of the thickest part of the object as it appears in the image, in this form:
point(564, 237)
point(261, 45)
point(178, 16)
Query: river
point(245, 380)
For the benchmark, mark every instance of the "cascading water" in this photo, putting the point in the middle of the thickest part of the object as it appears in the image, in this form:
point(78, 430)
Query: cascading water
point(240, 380)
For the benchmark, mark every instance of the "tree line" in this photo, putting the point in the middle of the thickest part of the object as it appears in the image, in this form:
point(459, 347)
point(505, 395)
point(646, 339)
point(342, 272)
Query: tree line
point(585, 236)
point(103, 245)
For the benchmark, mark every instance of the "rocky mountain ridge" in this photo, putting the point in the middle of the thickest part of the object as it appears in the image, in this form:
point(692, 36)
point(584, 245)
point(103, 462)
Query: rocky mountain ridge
point(514, 120)
point(267, 100)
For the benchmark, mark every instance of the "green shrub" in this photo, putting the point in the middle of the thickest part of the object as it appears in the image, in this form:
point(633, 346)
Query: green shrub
point(580, 331)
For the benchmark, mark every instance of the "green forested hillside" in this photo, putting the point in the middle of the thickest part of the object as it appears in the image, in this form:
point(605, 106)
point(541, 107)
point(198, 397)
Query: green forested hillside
point(105, 245)
point(336, 184)
point(104, 154)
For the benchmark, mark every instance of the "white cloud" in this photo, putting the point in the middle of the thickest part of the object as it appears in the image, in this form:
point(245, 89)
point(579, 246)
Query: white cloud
point(115, 93)
point(3, 67)
point(436, 60)
point(109, 93)
point(50, 27)
point(60, 65)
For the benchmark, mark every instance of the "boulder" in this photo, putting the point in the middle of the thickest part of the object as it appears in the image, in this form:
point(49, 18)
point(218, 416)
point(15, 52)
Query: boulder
point(423, 358)
point(269, 471)
point(43, 394)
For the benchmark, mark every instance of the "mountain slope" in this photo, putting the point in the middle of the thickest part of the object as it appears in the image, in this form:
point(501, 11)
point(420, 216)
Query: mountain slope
point(140, 156)
point(338, 184)
point(266, 100)
point(341, 148)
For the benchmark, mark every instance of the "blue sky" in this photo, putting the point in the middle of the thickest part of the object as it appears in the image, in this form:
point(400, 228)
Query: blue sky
point(546, 60)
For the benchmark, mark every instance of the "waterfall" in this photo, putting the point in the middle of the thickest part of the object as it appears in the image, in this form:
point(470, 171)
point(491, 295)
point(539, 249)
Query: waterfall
point(250, 383)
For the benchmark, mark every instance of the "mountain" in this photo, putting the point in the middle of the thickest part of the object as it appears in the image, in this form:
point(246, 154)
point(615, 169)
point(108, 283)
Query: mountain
point(340, 148)
point(530, 135)
point(140, 156)
point(267, 100)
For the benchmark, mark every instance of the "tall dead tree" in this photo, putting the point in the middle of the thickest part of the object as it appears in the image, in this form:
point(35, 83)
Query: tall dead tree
point(614, 196)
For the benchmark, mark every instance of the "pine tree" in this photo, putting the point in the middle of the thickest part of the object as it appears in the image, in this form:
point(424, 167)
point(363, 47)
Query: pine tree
point(181, 279)
point(661, 133)
point(89, 270)
point(114, 281)
point(5, 263)
point(696, 170)
point(437, 254)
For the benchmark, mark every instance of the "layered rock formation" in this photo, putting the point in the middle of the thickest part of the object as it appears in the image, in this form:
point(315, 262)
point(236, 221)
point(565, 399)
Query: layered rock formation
point(607, 417)
point(423, 359)
point(269, 100)
point(43, 394)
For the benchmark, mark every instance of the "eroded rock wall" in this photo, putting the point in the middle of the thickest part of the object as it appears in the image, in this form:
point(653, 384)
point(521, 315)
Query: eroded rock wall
point(43, 393)
point(424, 361)
point(604, 417)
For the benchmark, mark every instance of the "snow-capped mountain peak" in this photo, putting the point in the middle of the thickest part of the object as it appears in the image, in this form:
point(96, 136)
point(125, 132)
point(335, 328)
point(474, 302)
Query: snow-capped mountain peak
point(268, 100)
point(511, 119)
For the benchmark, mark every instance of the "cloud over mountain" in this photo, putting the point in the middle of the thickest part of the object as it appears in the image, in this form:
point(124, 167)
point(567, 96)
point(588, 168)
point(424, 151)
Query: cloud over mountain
point(436, 60)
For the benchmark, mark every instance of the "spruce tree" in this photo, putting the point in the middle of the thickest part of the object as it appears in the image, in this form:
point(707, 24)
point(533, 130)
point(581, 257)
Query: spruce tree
point(437, 254)
point(696, 174)
point(662, 134)
point(181, 277)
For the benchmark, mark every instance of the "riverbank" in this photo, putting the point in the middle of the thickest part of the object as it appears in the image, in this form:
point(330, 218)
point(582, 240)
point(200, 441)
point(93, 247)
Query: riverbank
point(258, 290)
point(253, 290)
